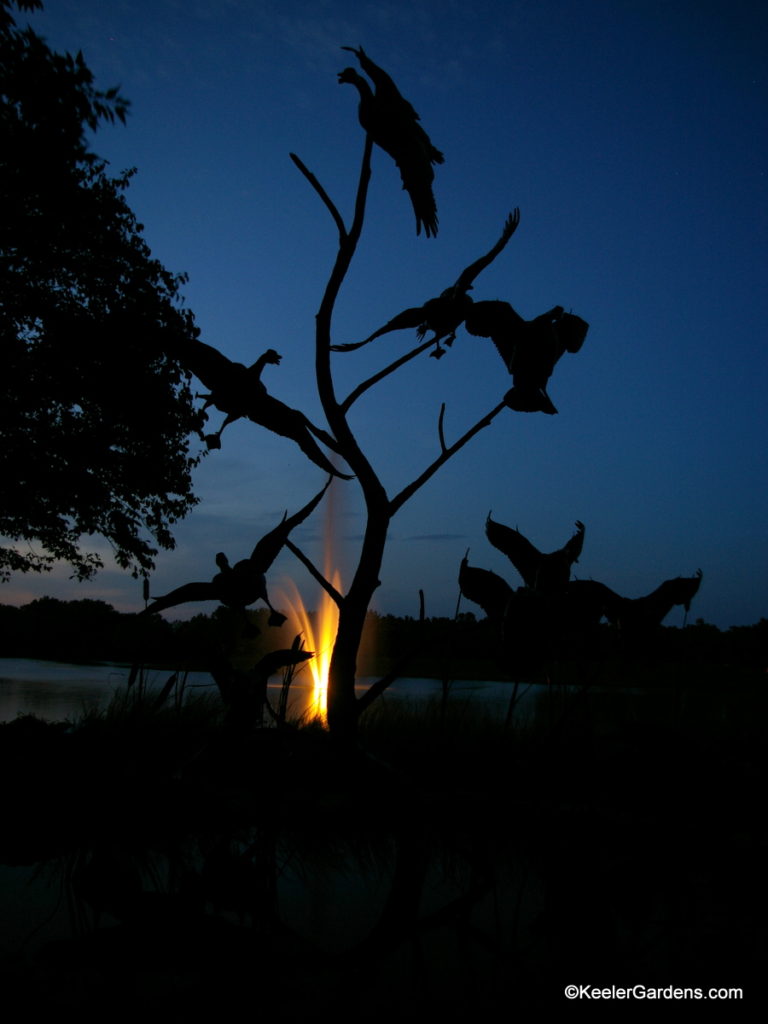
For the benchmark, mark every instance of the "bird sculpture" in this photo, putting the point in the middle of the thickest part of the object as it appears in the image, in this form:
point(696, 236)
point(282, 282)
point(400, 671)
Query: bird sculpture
point(238, 391)
point(529, 348)
point(243, 583)
point(444, 314)
point(245, 692)
point(636, 616)
point(545, 573)
point(393, 125)
point(485, 588)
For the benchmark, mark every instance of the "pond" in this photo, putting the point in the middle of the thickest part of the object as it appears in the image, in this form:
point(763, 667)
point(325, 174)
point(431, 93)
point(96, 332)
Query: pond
point(56, 691)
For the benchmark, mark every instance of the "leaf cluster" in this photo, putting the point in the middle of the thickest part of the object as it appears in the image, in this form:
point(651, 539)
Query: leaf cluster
point(95, 410)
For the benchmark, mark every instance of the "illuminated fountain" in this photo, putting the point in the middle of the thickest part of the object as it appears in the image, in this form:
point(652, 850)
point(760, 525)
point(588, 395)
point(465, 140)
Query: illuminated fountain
point(319, 632)
point(318, 629)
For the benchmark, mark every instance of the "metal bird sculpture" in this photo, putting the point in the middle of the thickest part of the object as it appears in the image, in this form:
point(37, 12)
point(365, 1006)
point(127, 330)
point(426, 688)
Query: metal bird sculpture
point(529, 348)
point(485, 588)
point(245, 692)
point(445, 314)
point(635, 616)
point(243, 583)
point(545, 573)
point(238, 391)
point(393, 125)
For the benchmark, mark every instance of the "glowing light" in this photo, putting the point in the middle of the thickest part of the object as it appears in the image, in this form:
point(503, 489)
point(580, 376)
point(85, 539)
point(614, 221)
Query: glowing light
point(319, 634)
point(320, 629)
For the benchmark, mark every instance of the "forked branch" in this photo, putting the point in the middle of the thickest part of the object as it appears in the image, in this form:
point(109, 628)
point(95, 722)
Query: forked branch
point(369, 383)
point(315, 573)
point(323, 195)
point(407, 492)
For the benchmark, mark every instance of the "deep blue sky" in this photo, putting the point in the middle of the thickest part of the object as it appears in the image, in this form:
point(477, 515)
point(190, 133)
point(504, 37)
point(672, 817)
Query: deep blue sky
point(632, 135)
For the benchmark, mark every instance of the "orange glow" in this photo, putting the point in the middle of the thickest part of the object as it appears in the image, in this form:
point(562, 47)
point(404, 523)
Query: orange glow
point(318, 637)
point(320, 630)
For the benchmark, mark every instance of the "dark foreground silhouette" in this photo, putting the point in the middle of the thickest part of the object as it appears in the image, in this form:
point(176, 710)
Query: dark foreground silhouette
point(446, 865)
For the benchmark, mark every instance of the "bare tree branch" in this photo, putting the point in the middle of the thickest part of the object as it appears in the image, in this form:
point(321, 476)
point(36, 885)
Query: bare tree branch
point(323, 195)
point(441, 434)
point(315, 573)
point(407, 492)
point(362, 388)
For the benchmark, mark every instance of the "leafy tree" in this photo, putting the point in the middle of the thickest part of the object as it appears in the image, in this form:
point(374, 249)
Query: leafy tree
point(96, 412)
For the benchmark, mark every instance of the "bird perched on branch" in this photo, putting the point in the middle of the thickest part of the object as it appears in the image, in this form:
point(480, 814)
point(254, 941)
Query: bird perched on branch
point(445, 314)
point(546, 573)
point(238, 391)
point(243, 583)
point(393, 124)
point(529, 348)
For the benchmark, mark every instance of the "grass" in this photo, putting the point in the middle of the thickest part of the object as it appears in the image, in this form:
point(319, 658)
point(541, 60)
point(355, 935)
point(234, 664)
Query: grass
point(450, 860)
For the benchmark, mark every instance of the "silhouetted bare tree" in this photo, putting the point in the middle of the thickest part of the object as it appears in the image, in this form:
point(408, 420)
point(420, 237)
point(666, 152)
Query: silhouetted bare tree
point(529, 350)
point(390, 122)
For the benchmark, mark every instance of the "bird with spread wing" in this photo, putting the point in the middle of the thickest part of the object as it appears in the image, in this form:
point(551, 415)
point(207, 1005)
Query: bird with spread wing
point(393, 125)
point(483, 587)
point(529, 348)
point(243, 583)
point(546, 573)
point(238, 391)
point(444, 314)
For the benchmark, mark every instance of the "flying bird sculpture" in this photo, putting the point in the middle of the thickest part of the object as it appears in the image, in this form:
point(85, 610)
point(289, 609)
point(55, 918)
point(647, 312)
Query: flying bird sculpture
point(529, 348)
point(243, 583)
point(238, 391)
point(393, 125)
point(483, 587)
point(546, 573)
point(635, 616)
point(444, 314)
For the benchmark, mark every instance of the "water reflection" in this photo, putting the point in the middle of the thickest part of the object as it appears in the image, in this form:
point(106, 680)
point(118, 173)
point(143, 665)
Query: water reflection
point(57, 692)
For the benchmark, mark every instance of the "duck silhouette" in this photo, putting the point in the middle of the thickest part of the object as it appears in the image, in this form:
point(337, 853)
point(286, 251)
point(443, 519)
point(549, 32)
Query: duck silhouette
point(238, 391)
point(529, 348)
point(393, 125)
point(444, 314)
point(542, 572)
point(244, 583)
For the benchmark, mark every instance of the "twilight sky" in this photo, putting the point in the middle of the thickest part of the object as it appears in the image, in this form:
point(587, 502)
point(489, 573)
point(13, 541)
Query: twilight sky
point(632, 135)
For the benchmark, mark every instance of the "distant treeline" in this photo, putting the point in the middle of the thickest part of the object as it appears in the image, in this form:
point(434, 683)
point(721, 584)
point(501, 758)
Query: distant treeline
point(92, 631)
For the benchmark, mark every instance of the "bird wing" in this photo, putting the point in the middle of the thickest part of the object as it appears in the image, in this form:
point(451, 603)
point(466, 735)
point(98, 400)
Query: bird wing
point(526, 558)
point(182, 595)
point(386, 90)
point(270, 663)
point(281, 419)
point(498, 321)
point(492, 318)
point(270, 545)
point(485, 588)
point(409, 318)
point(572, 548)
point(414, 155)
point(468, 275)
point(208, 364)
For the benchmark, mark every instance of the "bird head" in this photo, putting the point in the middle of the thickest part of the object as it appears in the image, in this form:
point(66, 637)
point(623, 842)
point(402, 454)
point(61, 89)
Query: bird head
point(350, 76)
point(270, 356)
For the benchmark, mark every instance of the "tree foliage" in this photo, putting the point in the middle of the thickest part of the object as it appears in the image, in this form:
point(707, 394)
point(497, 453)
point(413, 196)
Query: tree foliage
point(95, 410)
